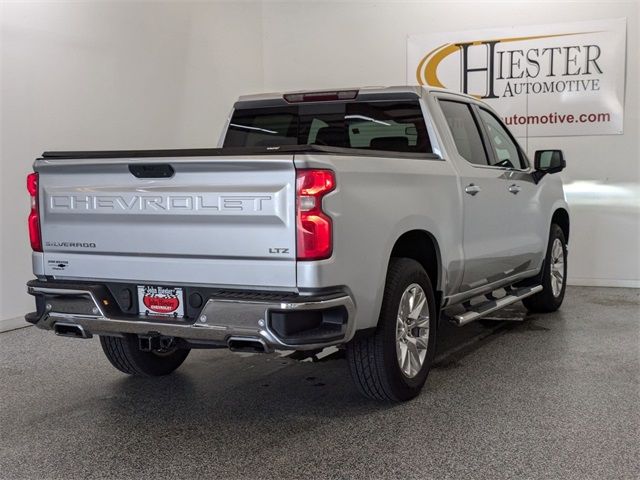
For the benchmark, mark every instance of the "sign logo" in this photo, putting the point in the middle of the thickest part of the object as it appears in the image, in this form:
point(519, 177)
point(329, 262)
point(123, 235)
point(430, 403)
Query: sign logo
point(517, 66)
point(57, 265)
point(544, 80)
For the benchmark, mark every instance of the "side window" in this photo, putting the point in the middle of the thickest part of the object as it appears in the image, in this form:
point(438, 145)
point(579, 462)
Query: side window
point(507, 153)
point(465, 131)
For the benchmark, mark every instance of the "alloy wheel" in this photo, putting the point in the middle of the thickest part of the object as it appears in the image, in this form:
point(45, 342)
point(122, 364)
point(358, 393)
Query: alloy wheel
point(557, 267)
point(412, 330)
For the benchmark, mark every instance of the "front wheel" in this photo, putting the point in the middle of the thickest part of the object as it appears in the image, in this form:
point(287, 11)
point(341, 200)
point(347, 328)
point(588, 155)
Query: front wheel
point(554, 275)
point(393, 363)
point(125, 355)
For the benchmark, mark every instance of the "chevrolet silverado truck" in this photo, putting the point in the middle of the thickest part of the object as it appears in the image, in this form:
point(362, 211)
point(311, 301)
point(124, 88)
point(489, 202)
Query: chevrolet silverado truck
point(348, 218)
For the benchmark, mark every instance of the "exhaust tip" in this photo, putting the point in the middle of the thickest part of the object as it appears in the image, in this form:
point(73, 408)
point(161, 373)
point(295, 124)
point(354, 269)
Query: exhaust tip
point(70, 330)
point(251, 345)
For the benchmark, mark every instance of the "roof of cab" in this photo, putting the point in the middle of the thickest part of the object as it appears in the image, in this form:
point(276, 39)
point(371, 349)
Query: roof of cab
point(364, 93)
point(361, 90)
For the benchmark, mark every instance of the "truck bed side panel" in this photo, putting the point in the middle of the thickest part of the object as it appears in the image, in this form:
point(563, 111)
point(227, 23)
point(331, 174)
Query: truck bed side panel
point(376, 201)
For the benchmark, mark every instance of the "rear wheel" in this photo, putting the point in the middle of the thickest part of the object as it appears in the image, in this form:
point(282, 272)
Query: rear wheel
point(554, 275)
point(393, 363)
point(125, 355)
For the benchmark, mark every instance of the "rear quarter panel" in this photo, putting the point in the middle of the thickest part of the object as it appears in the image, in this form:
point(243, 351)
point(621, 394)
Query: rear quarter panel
point(377, 199)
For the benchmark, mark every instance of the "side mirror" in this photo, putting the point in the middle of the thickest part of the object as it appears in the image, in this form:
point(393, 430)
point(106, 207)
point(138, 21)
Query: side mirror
point(549, 161)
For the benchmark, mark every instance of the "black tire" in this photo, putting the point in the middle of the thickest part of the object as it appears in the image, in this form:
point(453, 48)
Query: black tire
point(373, 360)
point(126, 356)
point(546, 301)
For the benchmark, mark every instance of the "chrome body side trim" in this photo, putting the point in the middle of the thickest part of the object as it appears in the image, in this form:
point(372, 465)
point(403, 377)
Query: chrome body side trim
point(488, 287)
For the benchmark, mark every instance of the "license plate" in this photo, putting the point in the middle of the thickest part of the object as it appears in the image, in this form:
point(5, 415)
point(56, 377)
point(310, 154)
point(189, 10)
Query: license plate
point(162, 301)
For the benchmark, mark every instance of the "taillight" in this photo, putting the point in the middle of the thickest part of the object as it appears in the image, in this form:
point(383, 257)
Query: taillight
point(34, 216)
point(314, 227)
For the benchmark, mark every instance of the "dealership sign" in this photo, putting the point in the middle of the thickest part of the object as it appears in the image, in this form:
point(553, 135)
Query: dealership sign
point(552, 80)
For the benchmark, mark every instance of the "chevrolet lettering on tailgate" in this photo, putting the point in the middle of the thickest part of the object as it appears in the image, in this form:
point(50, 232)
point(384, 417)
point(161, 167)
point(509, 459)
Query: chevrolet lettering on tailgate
point(248, 203)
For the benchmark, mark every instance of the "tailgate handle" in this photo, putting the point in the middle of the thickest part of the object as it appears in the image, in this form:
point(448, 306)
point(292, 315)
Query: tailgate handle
point(152, 170)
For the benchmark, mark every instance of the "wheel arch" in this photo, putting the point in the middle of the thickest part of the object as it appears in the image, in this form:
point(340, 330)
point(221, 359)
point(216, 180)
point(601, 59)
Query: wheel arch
point(561, 218)
point(421, 246)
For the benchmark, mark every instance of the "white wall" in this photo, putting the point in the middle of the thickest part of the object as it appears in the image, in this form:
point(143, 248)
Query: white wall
point(89, 75)
point(358, 43)
point(92, 75)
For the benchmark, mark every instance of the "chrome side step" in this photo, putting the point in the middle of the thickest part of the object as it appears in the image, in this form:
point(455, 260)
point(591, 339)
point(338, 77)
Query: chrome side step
point(484, 309)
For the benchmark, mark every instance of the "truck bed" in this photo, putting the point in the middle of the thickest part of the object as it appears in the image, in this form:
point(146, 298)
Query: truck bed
point(214, 216)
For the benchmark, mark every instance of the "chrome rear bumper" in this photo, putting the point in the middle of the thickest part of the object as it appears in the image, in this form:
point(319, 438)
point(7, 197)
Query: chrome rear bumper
point(219, 320)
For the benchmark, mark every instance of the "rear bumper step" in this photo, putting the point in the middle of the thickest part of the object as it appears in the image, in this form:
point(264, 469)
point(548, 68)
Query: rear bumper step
point(241, 323)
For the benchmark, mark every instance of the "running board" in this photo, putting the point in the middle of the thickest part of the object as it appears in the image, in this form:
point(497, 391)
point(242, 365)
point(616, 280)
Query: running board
point(484, 309)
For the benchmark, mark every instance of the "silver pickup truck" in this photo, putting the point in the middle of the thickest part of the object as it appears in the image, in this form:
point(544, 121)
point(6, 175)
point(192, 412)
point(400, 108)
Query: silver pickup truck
point(350, 218)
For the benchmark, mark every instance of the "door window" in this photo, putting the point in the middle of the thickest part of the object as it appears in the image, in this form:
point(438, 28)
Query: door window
point(465, 131)
point(506, 151)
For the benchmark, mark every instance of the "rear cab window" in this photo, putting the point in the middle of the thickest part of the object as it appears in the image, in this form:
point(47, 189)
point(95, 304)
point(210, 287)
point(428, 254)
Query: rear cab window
point(396, 126)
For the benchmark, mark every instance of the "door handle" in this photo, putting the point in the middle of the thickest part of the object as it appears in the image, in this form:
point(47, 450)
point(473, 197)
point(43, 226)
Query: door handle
point(472, 189)
point(514, 189)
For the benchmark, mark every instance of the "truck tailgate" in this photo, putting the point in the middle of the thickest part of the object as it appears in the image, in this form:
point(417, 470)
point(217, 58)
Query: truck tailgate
point(216, 220)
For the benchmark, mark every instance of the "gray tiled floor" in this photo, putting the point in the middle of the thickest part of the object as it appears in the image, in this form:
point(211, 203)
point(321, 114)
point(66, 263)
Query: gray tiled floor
point(555, 396)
